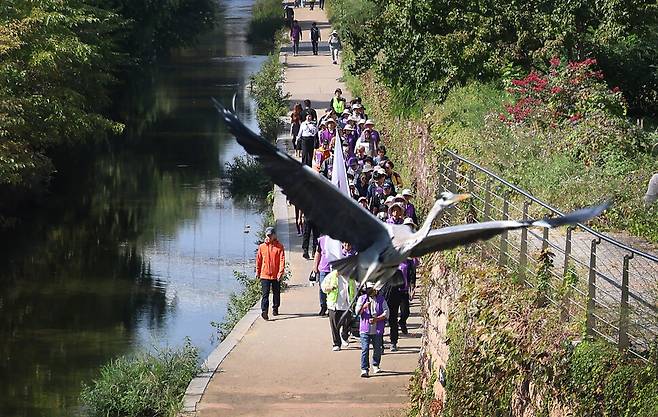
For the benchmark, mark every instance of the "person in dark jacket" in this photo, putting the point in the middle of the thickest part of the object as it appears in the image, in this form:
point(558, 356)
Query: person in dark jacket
point(315, 37)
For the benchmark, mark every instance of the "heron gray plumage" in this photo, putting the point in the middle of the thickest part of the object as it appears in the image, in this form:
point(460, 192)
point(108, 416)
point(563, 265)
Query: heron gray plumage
point(380, 247)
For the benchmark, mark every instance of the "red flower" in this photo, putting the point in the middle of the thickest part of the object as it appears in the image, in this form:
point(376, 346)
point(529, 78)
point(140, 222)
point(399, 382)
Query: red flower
point(555, 62)
point(616, 89)
point(556, 90)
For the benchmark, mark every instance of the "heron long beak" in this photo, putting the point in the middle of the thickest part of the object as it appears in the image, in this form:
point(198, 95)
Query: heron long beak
point(459, 197)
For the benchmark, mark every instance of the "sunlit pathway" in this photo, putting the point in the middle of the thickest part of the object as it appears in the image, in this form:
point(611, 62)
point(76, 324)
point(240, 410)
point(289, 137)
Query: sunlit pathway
point(285, 367)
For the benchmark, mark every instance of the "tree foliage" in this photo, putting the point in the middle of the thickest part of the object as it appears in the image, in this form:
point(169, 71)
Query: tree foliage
point(430, 46)
point(58, 63)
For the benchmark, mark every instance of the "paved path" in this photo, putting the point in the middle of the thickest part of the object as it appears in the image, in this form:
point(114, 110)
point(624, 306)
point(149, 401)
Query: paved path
point(285, 367)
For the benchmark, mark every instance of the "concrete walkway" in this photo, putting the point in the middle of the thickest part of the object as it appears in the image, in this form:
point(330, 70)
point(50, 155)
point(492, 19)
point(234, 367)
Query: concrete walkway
point(285, 367)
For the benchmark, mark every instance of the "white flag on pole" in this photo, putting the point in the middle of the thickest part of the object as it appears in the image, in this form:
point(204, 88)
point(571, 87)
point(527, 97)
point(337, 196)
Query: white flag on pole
point(339, 179)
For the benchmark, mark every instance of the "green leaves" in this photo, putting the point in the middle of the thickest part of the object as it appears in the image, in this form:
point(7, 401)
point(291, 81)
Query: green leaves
point(431, 46)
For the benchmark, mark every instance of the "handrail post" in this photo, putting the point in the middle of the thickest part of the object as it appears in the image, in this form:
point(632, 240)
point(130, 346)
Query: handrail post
point(487, 213)
point(441, 174)
point(566, 299)
point(523, 255)
point(544, 239)
point(591, 289)
point(623, 308)
point(453, 175)
point(472, 215)
point(502, 261)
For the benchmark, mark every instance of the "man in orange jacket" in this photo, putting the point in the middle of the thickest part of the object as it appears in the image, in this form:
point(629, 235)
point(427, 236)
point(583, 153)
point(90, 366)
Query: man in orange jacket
point(270, 266)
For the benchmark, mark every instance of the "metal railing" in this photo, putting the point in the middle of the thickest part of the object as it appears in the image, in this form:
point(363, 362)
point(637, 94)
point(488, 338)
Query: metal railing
point(608, 284)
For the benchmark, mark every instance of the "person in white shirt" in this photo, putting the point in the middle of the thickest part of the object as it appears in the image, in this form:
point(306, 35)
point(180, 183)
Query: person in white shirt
point(308, 133)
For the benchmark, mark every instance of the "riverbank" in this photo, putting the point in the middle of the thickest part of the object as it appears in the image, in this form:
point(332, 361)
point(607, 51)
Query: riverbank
point(254, 373)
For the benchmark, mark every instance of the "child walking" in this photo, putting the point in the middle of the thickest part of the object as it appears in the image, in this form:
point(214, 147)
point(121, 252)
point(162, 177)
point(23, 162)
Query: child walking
point(374, 312)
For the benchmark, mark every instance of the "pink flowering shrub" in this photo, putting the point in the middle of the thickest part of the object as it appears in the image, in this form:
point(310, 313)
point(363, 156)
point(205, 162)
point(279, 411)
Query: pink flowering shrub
point(566, 93)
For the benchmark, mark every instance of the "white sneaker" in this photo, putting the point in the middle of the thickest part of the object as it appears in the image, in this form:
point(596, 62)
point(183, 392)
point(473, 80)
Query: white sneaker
point(394, 348)
point(364, 373)
point(345, 344)
point(376, 369)
point(335, 348)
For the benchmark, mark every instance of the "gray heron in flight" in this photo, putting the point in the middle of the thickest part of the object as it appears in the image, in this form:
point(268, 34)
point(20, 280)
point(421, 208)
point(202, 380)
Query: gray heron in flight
point(380, 247)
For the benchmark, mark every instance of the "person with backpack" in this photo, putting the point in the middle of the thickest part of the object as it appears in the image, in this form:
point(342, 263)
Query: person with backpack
point(339, 292)
point(295, 37)
point(334, 46)
point(338, 102)
point(315, 37)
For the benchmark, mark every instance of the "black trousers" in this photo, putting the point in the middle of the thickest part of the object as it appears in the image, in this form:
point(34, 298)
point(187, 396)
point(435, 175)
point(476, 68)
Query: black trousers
point(321, 4)
point(394, 300)
point(265, 285)
point(315, 47)
point(309, 228)
point(338, 332)
point(308, 146)
point(404, 308)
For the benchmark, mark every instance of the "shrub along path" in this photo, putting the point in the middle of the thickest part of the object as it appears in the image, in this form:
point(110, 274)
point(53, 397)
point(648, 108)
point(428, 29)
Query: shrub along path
point(285, 367)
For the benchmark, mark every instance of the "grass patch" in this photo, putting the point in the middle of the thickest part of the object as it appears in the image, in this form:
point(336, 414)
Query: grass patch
point(267, 19)
point(144, 385)
point(272, 103)
point(247, 179)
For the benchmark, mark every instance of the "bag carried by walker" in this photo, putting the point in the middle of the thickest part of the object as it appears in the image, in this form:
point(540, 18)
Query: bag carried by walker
point(313, 277)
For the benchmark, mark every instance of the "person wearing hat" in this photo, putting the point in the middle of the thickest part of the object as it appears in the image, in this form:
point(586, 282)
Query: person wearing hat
point(338, 102)
point(349, 138)
point(334, 46)
point(409, 209)
point(328, 136)
point(270, 267)
point(342, 119)
point(360, 111)
point(373, 312)
point(376, 190)
point(395, 213)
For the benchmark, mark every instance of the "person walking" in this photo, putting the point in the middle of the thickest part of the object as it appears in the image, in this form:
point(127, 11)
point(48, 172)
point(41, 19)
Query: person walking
point(270, 267)
point(289, 15)
point(308, 109)
point(373, 310)
point(308, 133)
point(339, 291)
point(322, 268)
point(334, 46)
point(295, 37)
point(315, 37)
point(338, 102)
point(321, 4)
point(311, 4)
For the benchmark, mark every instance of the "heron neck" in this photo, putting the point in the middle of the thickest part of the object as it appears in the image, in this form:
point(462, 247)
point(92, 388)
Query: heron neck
point(427, 224)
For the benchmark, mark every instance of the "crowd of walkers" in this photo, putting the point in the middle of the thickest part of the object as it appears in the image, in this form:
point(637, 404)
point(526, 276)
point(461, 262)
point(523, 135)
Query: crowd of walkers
point(378, 188)
point(296, 35)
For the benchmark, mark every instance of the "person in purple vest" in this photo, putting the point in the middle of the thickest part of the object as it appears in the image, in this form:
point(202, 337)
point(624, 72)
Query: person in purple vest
point(295, 37)
point(373, 311)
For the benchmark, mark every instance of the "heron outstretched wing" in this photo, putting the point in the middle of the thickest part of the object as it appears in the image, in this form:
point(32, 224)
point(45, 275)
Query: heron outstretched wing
point(335, 214)
point(453, 236)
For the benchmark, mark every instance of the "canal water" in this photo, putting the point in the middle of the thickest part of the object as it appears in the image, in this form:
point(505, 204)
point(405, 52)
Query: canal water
point(136, 248)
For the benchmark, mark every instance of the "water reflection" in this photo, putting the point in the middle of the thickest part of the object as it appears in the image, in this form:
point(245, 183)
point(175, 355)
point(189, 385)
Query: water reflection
point(136, 247)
